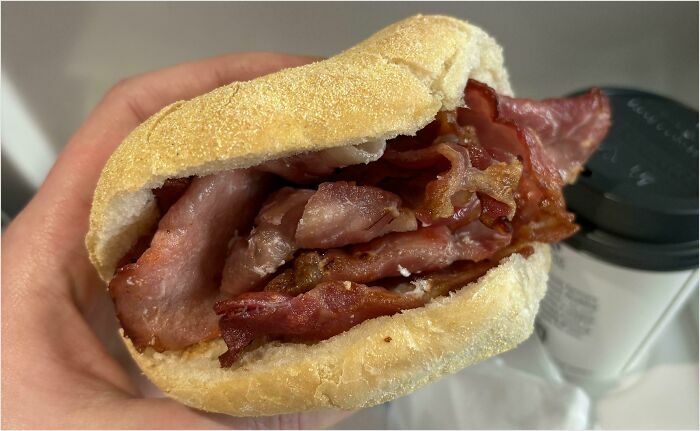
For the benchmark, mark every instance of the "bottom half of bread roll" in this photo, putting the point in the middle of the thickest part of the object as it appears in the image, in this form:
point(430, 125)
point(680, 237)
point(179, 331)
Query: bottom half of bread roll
point(375, 361)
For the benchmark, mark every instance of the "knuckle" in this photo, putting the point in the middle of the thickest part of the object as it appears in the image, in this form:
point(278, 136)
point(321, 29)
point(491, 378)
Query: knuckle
point(122, 88)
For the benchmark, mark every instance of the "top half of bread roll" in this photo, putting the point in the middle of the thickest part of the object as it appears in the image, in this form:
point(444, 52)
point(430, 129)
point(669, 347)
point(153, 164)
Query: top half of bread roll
point(394, 83)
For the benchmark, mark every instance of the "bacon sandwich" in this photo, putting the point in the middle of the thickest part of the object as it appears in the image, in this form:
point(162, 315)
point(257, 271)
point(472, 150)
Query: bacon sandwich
point(342, 233)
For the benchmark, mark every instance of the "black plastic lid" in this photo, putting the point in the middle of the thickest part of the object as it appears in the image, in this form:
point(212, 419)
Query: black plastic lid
point(634, 254)
point(641, 186)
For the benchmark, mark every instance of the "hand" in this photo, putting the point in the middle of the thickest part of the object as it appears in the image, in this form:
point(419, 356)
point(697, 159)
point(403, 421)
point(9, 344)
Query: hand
point(56, 372)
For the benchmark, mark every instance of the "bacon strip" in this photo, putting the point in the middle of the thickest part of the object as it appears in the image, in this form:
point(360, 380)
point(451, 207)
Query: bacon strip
point(541, 214)
point(252, 261)
point(164, 300)
point(327, 310)
point(568, 130)
point(440, 283)
point(443, 173)
point(338, 214)
point(426, 249)
point(172, 190)
point(165, 196)
point(342, 213)
point(499, 181)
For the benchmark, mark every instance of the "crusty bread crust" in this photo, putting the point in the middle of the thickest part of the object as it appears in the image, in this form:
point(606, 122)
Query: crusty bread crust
point(376, 361)
point(393, 83)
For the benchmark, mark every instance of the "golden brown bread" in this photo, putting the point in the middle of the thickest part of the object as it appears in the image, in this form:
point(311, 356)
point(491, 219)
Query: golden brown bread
point(359, 368)
point(394, 83)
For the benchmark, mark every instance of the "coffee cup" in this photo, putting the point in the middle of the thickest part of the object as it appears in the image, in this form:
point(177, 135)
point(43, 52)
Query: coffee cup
point(617, 283)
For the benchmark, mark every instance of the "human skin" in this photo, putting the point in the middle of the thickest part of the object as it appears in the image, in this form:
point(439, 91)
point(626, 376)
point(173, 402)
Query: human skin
point(56, 372)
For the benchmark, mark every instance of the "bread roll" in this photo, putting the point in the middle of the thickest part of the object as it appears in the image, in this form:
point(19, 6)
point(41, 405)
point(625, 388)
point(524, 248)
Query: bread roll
point(393, 83)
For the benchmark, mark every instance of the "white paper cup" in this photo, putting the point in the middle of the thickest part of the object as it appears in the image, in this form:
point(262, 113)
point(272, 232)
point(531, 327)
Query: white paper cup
point(598, 319)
